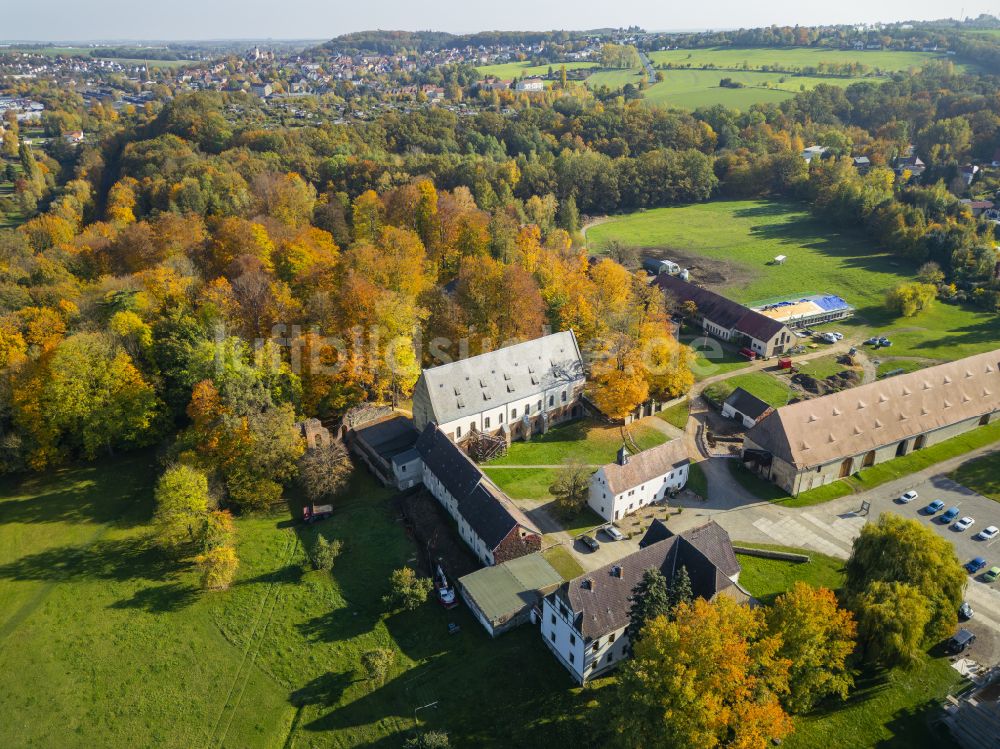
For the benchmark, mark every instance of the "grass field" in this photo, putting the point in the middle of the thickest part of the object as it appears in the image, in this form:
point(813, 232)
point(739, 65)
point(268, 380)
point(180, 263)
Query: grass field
point(85, 52)
point(563, 562)
point(523, 483)
point(691, 89)
point(821, 367)
point(981, 475)
point(769, 389)
point(510, 70)
point(893, 365)
point(676, 415)
point(792, 58)
point(768, 578)
point(727, 245)
point(584, 440)
point(123, 650)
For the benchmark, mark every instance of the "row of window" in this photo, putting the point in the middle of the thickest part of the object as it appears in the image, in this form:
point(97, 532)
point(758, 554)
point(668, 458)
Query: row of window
point(513, 414)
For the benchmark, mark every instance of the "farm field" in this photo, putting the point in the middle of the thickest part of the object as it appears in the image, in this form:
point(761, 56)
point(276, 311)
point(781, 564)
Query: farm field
point(793, 58)
point(509, 70)
point(85, 52)
point(691, 89)
point(727, 245)
point(96, 616)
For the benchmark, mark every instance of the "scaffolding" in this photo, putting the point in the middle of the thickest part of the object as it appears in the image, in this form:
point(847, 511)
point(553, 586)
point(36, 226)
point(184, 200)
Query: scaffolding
point(483, 446)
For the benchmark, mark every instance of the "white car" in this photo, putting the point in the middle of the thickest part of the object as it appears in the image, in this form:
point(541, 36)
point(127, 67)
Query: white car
point(988, 533)
point(614, 533)
point(963, 524)
point(908, 496)
point(837, 335)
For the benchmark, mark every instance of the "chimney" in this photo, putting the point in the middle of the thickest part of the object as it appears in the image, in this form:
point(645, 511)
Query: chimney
point(587, 584)
point(617, 571)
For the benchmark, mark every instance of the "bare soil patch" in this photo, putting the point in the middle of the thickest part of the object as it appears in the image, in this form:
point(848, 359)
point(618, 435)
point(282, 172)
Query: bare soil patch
point(704, 271)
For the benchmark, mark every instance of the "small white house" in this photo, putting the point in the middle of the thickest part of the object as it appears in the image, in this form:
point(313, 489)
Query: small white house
point(634, 481)
point(745, 407)
point(530, 84)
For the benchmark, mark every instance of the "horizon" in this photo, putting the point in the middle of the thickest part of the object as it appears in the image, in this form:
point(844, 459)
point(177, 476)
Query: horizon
point(110, 21)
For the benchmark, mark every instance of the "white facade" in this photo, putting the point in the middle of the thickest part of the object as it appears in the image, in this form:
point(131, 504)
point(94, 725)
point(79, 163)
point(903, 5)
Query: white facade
point(731, 413)
point(447, 501)
point(611, 506)
point(585, 660)
point(551, 403)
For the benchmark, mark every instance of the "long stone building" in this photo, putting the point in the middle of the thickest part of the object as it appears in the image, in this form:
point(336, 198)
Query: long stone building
point(518, 390)
point(815, 442)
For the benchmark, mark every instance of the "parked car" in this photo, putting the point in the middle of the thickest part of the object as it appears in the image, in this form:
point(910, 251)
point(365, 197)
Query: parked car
point(992, 574)
point(828, 338)
point(950, 514)
point(974, 565)
point(884, 342)
point(963, 524)
point(315, 513)
point(988, 533)
point(873, 341)
point(965, 611)
point(590, 542)
point(934, 507)
point(908, 496)
point(613, 533)
point(839, 336)
point(960, 641)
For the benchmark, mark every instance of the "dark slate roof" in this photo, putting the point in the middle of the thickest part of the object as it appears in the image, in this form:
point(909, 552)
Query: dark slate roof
point(488, 511)
point(747, 404)
point(657, 531)
point(390, 436)
point(722, 311)
point(600, 599)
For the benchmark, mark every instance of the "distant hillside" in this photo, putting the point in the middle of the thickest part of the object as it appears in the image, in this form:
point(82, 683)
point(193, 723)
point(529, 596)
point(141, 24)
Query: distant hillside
point(389, 42)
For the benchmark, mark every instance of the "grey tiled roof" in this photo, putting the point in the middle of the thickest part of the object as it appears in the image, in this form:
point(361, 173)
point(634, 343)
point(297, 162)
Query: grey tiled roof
point(600, 599)
point(470, 386)
point(646, 465)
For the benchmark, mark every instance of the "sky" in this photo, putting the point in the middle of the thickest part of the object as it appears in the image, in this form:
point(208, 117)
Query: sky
point(60, 20)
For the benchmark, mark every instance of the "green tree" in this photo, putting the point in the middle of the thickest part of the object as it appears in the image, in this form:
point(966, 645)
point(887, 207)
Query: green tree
point(572, 482)
point(680, 591)
point(899, 550)
point(907, 299)
point(650, 598)
point(326, 552)
point(892, 620)
point(406, 590)
point(817, 637)
point(182, 503)
point(428, 740)
point(218, 567)
point(568, 217)
point(377, 663)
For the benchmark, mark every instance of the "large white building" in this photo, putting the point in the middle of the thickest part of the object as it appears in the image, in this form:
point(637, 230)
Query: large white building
point(518, 390)
point(585, 621)
point(634, 481)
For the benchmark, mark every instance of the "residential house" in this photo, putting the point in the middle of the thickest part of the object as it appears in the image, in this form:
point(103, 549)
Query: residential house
point(728, 320)
point(862, 163)
point(813, 152)
point(515, 391)
point(584, 621)
point(968, 173)
point(488, 521)
point(811, 443)
point(634, 481)
point(911, 164)
point(973, 716)
point(388, 447)
point(978, 207)
point(530, 84)
point(745, 407)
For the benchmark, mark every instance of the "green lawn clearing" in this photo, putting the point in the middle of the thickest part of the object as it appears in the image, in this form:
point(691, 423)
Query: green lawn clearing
point(982, 475)
point(563, 562)
point(694, 89)
point(896, 365)
point(123, 650)
point(510, 70)
point(791, 58)
point(585, 440)
point(769, 389)
point(727, 245)
point(821, 367)
point(768, 578)
point(677, 414)
point(523, 483)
